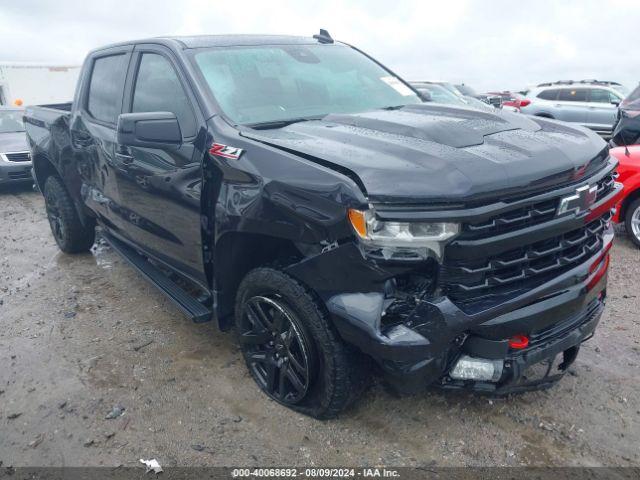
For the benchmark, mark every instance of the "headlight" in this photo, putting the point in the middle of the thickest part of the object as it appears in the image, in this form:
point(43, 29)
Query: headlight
point(402, 240)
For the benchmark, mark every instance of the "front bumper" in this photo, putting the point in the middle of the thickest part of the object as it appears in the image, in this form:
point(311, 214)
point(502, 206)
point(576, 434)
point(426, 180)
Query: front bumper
point(422, 349)
point(540, 365)
point(13, 172)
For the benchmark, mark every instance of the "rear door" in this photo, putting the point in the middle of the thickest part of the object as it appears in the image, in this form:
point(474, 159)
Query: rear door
point(603, 109)
point(572, 105)
point(161, 188)
point(92, 129)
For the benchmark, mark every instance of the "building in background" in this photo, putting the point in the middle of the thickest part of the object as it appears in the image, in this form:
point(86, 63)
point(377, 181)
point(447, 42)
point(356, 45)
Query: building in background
point(32, 83)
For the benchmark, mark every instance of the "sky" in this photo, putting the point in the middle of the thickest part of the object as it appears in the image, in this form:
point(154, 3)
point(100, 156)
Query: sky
point(489, 45)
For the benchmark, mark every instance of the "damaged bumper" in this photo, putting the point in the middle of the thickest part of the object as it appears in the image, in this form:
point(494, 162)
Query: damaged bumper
point(418, 344)
point(423, 349)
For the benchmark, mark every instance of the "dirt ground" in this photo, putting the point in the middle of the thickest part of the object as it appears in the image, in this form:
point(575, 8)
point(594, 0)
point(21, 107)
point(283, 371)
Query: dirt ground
point(80, 335)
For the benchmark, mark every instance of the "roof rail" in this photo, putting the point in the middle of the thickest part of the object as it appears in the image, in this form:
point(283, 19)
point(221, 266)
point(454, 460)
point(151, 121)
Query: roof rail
point(588, 81)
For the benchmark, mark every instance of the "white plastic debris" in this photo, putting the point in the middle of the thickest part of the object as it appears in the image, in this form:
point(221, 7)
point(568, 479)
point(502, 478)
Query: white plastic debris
point(152, 465)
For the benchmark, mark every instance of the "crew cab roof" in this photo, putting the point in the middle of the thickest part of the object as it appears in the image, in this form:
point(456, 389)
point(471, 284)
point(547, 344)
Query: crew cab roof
point(204, 41)
point(200, 41)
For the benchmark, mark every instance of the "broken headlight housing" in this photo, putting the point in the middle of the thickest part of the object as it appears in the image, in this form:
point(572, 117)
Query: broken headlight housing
point(393, 240)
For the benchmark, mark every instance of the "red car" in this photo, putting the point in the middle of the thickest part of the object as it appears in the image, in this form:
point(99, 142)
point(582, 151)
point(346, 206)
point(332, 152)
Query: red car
point(512, 99)
point(628, 210)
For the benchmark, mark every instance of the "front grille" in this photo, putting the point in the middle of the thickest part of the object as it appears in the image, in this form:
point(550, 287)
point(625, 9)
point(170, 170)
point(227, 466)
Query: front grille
point(527, 216)
point(525, 267)
point(18, 157)
point(606, 185)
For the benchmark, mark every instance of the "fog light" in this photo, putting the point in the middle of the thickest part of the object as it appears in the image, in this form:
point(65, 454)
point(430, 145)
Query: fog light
point(470, 368)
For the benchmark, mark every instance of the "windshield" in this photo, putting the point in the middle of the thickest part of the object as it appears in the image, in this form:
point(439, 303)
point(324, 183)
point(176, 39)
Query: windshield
point(621, 89)
point(633, 99)
point(11, 121)
point(255, 85)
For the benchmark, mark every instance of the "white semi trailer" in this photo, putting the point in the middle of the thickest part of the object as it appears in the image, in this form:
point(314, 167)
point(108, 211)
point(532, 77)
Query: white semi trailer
point(36, 84)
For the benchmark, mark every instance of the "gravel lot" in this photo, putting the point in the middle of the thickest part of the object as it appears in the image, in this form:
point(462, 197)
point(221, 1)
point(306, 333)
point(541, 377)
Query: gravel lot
point(83, 334)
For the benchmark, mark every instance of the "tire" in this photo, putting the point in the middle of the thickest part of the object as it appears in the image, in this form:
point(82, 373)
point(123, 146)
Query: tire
point(632, 221)
point(67, 229)
point(336, 373)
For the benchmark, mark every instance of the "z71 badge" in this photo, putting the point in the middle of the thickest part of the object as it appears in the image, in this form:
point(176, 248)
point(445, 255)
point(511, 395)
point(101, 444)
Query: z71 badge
point(225, 151)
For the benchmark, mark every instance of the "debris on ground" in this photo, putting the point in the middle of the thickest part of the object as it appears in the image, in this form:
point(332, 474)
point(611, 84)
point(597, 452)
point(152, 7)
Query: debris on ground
point(198, 448)
point(142, 345)
point(152, 465)
point(115, 412)
point(13, 416)
point(36, 441)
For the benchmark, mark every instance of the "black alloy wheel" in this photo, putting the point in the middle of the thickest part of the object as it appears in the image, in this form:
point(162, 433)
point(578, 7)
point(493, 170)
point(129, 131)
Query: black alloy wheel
point(278, 353)
point(55, 218)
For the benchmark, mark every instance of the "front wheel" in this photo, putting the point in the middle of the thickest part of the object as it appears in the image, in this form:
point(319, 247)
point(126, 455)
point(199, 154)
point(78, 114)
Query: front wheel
point(632, 221)
point(67, 229)
point(291, 349)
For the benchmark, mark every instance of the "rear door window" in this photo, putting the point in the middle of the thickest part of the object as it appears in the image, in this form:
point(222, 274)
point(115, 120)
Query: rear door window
point(550, 94)
point(106, 85)
point(158, 89)
point(573, 95)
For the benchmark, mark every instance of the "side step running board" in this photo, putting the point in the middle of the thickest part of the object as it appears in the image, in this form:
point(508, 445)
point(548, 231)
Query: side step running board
point(190, 306)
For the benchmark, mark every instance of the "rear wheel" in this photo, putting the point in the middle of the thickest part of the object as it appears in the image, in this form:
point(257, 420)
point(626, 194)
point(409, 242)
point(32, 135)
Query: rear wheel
point(632, 221)
point(67, 229)
point(290, 348)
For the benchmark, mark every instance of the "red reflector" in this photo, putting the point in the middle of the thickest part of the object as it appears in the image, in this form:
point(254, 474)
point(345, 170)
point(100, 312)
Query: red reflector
point(600, 273)
point(519, 342)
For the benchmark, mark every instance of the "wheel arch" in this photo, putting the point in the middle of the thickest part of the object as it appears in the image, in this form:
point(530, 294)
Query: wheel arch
point(628, 200)
point(236, 254)
point(43, 168)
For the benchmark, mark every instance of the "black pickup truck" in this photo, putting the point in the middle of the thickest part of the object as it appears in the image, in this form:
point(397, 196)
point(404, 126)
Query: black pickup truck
point(298, 191)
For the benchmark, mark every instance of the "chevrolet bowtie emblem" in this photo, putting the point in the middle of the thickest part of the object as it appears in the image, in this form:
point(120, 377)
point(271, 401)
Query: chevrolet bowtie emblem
point(580, 201)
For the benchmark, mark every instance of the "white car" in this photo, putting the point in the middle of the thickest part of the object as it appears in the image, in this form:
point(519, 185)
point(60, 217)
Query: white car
point(591, 103)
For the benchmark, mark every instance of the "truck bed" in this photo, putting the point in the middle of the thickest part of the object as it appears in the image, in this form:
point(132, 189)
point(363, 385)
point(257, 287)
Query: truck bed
point(42, 116)
point(47, 128)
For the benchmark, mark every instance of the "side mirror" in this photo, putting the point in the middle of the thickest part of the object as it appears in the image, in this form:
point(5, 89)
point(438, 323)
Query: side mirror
point(149, 129)
point(615, 102)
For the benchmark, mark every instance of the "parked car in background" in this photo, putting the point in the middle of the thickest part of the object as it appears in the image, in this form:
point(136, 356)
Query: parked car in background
point(510, 99)
point(437, 92)
point(627, 129)
point(590, 103)
point(628, 210)
point(15, 159)
point(494, 100)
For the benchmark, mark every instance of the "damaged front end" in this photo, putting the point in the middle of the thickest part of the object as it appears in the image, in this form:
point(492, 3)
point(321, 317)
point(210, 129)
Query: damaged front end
point(496, 299)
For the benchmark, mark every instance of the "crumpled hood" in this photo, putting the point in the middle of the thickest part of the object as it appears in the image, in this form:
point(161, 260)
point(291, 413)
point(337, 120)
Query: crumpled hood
point(435, 153)
point(13, 142)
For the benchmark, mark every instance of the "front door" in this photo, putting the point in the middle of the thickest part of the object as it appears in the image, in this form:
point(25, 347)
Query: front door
point(572, 105)
point(161, 187)
point(603, 109)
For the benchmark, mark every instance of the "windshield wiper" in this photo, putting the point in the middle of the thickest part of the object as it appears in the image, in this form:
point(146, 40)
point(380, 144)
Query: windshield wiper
point(279, 123)
point(393, 107)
